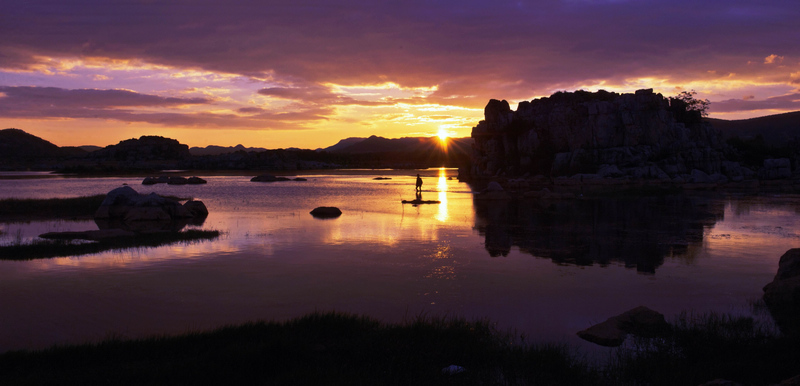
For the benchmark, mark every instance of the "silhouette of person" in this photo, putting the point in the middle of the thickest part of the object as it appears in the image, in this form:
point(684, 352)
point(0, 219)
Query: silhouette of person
point(419, 183)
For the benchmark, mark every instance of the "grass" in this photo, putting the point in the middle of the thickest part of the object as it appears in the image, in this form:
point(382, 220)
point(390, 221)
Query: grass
point(40, 249)
point(318, 349)
point(77, 208)
point(341, 349)
point(705, 347)
point(34, 209)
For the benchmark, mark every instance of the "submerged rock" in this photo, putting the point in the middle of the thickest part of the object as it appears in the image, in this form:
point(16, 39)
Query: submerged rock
point(326, 212)
point(493, 192)
point(640, 321)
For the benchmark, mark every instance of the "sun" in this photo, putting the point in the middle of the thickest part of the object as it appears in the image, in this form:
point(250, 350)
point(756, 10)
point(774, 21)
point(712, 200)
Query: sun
point(443, 135)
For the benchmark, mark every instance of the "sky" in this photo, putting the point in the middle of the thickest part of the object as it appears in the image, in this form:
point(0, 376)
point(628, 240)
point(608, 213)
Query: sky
point(299, 73)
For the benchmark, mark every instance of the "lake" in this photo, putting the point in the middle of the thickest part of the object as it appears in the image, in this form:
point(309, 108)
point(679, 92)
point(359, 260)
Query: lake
point(546, 269)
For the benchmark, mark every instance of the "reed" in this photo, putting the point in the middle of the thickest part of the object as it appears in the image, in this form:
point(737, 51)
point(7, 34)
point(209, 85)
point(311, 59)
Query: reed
point(41, 249)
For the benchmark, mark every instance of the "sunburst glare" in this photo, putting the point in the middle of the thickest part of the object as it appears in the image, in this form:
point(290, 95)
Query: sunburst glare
point(443, 135)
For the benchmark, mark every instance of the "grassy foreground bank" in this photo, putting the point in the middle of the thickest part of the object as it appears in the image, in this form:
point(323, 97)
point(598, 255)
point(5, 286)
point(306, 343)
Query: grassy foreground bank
point(44, 249)
point(334, 348)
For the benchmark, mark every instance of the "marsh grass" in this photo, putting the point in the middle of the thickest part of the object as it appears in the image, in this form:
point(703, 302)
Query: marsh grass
point(342, 349)
point(78, 208)
point(40, 249)
point(318, 349)
point(75, 207)
point(705, 347)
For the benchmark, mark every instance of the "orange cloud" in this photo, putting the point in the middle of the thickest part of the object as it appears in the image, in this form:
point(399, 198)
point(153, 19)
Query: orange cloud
point(773, 59)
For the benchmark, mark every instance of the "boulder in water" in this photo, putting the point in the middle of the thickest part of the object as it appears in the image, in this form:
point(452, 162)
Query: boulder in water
point(127, 209)
point(268, 178)
point(326, 212)
point(640, 321)
point(782, 295)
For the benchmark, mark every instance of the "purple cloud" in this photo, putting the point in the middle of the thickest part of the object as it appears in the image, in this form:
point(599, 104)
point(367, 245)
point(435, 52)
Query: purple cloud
point(129, 106)
point(474, 50)
point(24, 97)
point(783, 102)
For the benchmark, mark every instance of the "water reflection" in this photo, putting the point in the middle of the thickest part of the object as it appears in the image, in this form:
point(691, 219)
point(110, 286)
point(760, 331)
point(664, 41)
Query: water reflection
point(441, 186)
point(637, 232)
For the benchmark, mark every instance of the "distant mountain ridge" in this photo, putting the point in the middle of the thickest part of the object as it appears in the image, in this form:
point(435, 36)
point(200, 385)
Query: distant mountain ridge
point(776, 129)
point(376, 144)
point(217, 150)
point(342, 144)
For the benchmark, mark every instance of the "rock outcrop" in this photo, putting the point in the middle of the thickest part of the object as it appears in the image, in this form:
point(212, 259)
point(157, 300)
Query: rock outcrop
point(124, 208)
point(642, 135)
point(143, 150)
point(782, 295)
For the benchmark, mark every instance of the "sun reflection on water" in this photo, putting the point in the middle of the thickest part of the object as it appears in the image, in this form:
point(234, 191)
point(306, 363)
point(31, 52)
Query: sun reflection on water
point(441, 186)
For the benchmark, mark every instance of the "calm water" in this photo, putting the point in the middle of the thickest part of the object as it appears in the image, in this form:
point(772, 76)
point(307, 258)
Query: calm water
point(543, 269)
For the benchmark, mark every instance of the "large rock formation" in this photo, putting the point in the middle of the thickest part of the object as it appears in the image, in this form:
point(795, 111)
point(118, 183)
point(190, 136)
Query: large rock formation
point(643, 134)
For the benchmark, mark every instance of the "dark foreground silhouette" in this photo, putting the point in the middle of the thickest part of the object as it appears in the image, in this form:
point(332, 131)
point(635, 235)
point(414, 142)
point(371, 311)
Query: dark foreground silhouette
point(332, 348)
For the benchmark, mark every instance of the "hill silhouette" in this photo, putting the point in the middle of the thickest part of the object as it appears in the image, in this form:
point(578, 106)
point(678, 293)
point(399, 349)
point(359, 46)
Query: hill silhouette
point(777, 130)
point(20, 150)
point(15, 143)
point(342, 144)
point(400, 153)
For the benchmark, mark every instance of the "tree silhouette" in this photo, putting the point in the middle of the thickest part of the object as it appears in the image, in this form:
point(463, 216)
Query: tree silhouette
point(692, 103)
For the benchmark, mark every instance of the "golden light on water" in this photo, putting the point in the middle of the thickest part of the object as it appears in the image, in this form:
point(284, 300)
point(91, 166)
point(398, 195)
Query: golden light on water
point(441, 186)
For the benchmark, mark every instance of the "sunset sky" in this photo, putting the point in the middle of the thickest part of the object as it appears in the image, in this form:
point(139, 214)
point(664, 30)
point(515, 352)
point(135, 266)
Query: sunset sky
point(308, 73)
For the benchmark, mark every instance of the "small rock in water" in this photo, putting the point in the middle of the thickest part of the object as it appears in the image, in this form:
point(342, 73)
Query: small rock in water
point(268, 178)
point(194, 180)
point(453, 370)
point(326, 212)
